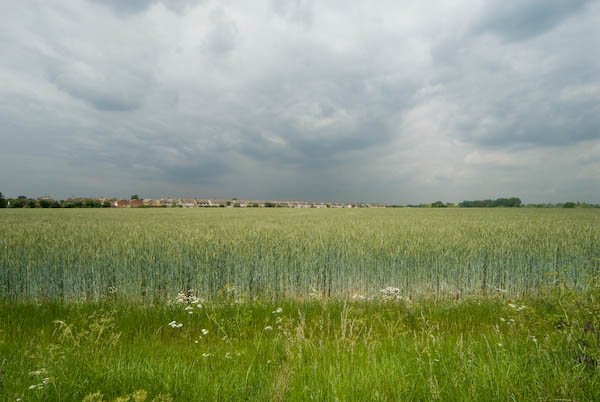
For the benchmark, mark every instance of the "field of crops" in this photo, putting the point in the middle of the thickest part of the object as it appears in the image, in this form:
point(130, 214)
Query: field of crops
point(272, 253)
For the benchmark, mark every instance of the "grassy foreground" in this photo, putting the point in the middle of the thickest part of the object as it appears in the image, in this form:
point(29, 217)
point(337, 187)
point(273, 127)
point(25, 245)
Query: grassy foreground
point(479, 349)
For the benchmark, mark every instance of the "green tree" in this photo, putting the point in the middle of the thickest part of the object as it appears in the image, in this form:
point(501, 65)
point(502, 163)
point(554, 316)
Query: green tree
point(3, 201)
point(45, 203)
point(569, 205)
point(135, 197)
point(91, 204)
point(17, 203)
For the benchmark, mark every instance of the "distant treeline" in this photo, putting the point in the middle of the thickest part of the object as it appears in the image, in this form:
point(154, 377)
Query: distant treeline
point(500, 202)
point(512, 202)
point(25, 202)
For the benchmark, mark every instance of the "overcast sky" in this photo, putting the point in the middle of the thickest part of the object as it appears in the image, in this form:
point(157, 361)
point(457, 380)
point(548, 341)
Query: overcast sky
point(392, 101)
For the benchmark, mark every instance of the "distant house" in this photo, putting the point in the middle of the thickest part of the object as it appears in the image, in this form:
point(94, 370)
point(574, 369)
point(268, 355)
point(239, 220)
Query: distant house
point(148, 202)
point(171, 202)
point(122, 204)
point(136, 203)
point(255, 203)
point(188, 203)
point(203, 202)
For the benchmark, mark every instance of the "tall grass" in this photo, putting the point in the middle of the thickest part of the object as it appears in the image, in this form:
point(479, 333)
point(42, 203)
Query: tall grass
point(540, 348)
point(149, 255)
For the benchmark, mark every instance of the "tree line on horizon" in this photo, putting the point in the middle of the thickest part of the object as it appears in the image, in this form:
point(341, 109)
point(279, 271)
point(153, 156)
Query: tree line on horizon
point(512, 202)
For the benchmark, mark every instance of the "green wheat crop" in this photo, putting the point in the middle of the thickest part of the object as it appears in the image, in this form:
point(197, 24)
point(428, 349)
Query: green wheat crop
point(149, 255)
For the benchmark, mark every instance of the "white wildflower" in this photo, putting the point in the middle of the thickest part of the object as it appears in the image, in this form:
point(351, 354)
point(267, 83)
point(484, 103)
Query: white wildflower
point(502, 319)
point(391, 293)
point(268, 328)
point(512, 305)
point(205, 355)
point(278, 311)
point(204, 331)
point(38, 372)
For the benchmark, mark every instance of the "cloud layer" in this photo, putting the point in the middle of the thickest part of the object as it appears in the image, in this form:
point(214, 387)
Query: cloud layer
point(297, 99)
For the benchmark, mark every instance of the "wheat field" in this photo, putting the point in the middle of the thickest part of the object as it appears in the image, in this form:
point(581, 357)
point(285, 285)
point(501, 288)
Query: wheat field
point(152, 254)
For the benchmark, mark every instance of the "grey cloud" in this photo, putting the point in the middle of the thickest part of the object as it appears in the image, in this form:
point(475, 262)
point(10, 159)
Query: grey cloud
point(223, 34)
point(130, 7)
point(520, 20)
point(296, 11)
point(107, 88)
point(542, 119)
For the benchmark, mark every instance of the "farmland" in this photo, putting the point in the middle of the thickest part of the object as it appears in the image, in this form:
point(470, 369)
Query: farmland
point(285, 304)
point(148, 255)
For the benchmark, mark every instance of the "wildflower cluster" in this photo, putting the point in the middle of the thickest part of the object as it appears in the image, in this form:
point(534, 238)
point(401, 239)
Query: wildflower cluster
point(175, 324)
point(391, 293)
point(189, 298)
point(516, 308)
point(44, 382)
point(204, 332)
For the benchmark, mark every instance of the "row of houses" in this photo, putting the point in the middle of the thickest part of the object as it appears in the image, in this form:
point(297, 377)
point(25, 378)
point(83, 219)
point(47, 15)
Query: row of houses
point(104, 202)
point(234, 203)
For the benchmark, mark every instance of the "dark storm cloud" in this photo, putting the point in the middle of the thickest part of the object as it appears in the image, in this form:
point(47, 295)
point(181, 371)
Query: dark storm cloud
point(386, 101)
point(130, 7)
point(520, 20)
